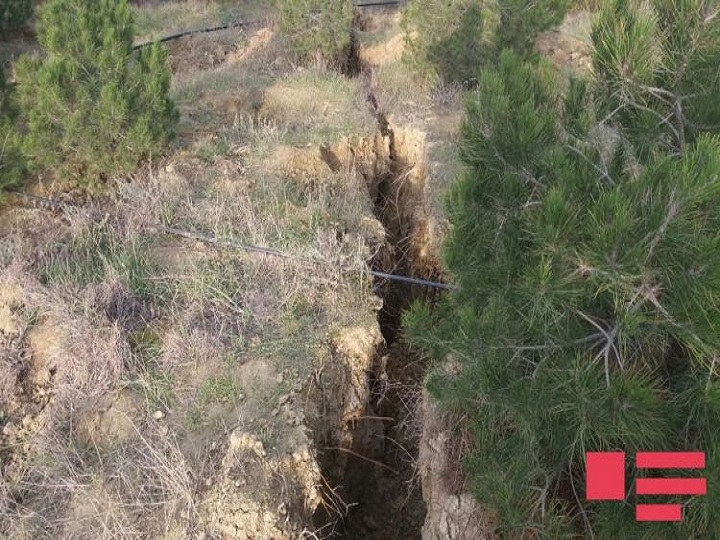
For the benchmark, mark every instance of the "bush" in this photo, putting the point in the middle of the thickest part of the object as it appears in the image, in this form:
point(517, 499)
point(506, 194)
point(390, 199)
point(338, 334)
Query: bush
point(588, 315)
point(453, 40)
point(658, 66)
point(91, 107)
point(14, 14)
point(313, 27)
point(11, 163)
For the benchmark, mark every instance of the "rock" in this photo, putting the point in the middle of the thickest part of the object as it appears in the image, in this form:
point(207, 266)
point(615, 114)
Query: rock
point(157, 415)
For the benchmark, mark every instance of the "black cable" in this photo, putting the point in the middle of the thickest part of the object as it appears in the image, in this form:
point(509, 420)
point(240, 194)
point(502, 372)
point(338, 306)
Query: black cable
point(250, 248)
point(414, 281)
point(385, 3)
point(236, 24)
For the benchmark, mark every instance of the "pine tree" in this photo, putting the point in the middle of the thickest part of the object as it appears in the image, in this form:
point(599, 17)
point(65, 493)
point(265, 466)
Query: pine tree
point(92, 107)
point(316, 26)
point(452, 40)
point(587, 250)
point(658, 66)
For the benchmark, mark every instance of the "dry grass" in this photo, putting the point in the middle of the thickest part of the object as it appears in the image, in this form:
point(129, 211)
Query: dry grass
point(72, 491)
point(318, 106)
point(59, 479)
point(138, 352)
point(155, 19)
point(171, 322)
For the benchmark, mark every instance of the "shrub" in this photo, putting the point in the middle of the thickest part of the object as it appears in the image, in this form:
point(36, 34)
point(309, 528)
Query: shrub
point(91, 107)
point(588, 315)
point(658, 66)
point(452, 40)
point(14, 14)
point(313, 27)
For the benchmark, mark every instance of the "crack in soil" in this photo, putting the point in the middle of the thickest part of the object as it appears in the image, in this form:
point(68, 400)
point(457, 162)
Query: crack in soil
point(380, 480)
point(378, 486)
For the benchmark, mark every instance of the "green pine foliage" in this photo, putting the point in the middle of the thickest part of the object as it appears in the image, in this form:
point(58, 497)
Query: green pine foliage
point(11, 161)
point(14, 14)
point(658, 64)
point(90, 106)
point(452, 40)
point(313, 27)
point(587, 251)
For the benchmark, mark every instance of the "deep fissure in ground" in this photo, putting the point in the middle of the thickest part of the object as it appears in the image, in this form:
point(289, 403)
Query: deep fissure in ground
point(381, 483)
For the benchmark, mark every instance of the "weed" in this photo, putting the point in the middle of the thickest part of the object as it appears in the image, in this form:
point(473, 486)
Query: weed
point(213, 148)
point(215, 390)
point(95, 254)
point(148, 376)
point(268, 437)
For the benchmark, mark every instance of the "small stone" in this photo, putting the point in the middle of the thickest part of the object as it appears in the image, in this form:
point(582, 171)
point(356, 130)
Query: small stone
point(208, 482)
point(164, 430)
point(279, 378)
point(157, 415)
point(241, 397)
point(284, 399)
point(275, 412)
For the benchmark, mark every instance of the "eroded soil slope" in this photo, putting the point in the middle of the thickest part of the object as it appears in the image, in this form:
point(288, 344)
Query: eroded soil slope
point(159, 380)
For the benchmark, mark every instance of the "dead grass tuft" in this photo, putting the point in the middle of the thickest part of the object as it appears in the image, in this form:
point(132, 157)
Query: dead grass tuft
point(128, 357)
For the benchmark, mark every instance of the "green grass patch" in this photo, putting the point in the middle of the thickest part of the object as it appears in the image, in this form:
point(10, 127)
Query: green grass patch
point(95, 254)
point(147, 376)
point(215, 390)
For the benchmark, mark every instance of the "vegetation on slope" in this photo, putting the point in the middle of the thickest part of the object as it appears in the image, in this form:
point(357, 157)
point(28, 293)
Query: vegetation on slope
point(452, 40)
point(90, 107)
point(316, 27)
point(14, 14)
point(586, 246)
point(11, 162)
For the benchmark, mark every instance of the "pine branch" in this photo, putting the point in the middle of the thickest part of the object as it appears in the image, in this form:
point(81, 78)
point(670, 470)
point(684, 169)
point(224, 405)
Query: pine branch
point(670, 213)
point(610, 337)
